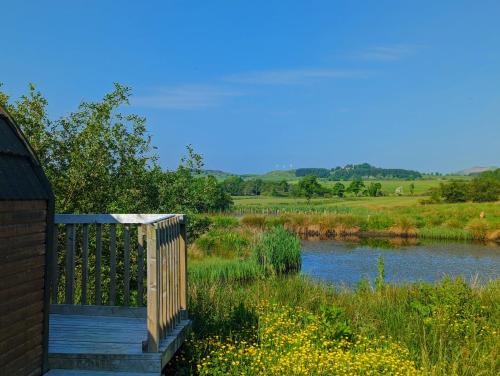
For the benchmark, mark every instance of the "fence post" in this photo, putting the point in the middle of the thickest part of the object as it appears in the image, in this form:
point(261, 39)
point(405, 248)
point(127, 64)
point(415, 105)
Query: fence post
point(183, 241)
point(153, 273)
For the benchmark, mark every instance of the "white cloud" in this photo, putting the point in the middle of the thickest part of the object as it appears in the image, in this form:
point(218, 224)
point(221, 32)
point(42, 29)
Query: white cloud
point(291, 76)
point(388, 52)
point(185, 97)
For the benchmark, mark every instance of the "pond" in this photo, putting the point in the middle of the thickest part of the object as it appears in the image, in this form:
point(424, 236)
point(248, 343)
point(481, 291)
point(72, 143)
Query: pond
point(347, 262)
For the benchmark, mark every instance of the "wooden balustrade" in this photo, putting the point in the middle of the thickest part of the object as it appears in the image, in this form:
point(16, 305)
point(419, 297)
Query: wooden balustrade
point(117, 250)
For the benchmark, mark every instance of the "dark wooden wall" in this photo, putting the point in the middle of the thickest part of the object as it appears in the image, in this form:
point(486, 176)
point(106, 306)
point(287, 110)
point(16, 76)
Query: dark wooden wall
point(22, 266)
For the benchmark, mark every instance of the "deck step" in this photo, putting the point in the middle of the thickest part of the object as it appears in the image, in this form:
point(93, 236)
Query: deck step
point(107, 344)
point(81, 372)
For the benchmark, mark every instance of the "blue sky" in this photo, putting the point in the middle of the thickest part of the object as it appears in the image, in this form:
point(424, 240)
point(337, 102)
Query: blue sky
point(260, 85)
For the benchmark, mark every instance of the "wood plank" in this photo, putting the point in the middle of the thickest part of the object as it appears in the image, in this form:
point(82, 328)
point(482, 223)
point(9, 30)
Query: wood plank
point(21, 300)
point(70, 264)
point(17, 206)
point(9, 268)
point(176, 271)
point(96, 310)
point(21, 325)
point(140, 264)
point(153, 340)
point(20, 289)
point(85, 262)
point(164, 280)
point(112, 264)
point(126, 265)
point(79, 372)
point(183, 265)
point(110, 218)
point(11, 231)
point(22, 241)
point(21, 253)
point(54, 267)
point(98, 263)
point(23, 217)
point(27, 275)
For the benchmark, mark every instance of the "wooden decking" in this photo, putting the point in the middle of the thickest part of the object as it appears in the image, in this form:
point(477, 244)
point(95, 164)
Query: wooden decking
point(95, 340)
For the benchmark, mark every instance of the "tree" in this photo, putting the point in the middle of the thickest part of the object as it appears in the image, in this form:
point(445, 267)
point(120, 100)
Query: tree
point(309, 186)
point(338, 189)
point(411, 188)
point(374, 189)
point(356, 186)
point(100, 159)
point(454, 191)
point(234, 185)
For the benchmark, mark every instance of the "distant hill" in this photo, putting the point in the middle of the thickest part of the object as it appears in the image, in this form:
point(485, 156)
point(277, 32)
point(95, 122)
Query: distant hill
point(474, 170)
point(218, 174)
point(348, 172)
point(367, 171)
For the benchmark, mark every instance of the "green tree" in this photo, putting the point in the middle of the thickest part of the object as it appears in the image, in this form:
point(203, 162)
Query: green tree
point(356, 186)
point(374, 189)
point(454, 191)
point(338, 189)
point(234, 185)
point(411, 188)
point(100, 159)
point(309, 186)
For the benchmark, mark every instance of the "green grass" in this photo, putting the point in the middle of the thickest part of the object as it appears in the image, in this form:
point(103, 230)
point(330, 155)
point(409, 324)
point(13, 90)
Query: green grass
point(217, 269)
point(391, 213)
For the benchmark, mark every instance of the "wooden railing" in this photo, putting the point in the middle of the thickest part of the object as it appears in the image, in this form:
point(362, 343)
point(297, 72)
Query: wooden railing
point(101, 259)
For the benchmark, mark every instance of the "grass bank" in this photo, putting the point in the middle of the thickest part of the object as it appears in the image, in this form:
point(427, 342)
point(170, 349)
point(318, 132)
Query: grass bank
point(371, 217)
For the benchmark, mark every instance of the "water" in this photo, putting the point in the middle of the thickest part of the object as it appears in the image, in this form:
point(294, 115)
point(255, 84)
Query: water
point(345, 263)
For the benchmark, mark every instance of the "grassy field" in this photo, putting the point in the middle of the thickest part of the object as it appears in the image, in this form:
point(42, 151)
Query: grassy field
point(249, 321)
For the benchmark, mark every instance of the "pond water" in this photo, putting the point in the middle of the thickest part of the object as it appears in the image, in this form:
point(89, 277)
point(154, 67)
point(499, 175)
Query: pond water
point(347, 262)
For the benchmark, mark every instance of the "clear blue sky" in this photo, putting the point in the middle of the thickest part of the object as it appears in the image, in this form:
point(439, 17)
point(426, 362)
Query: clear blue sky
point(257, 85)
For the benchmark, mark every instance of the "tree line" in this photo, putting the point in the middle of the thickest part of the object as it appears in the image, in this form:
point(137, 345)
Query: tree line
point(483, 188)
point(358, 171)
point(308, 187)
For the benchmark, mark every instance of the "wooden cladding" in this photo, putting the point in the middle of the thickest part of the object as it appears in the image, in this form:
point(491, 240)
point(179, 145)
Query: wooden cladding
point(22, 269)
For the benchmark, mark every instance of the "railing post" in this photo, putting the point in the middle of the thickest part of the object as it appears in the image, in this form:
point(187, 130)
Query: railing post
point(183, 242)
point(153, 280)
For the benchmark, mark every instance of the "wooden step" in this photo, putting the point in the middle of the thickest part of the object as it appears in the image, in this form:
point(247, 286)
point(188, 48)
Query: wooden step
point(108, 343)
point(79, 372)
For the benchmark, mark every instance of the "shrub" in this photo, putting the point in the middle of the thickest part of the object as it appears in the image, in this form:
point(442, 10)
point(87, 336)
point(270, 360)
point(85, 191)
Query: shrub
point(478, 229)
point(278, 251)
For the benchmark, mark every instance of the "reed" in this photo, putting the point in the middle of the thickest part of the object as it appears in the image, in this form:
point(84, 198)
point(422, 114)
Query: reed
point(278, 251)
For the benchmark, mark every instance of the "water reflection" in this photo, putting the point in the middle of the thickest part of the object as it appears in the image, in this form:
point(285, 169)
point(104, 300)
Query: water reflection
point(406, 260)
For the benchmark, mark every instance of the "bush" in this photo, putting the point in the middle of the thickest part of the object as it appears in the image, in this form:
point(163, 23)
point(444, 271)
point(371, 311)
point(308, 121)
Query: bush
point(278, 251)
point(455, 191)
point(478, 229)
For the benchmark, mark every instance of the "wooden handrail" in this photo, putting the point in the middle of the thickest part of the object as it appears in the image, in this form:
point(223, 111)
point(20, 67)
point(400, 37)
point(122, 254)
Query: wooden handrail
point(121, 247)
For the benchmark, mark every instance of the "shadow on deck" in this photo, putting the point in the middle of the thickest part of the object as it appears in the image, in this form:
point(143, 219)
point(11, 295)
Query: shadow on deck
point(84, 340)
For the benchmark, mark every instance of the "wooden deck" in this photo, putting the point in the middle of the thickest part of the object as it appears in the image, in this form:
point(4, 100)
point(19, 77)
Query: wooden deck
point(109, 342)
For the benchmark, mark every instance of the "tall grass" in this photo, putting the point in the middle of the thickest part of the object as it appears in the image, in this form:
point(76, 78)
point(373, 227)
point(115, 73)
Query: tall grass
point(278, 251)
point(216, 269)
point(448, 328)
